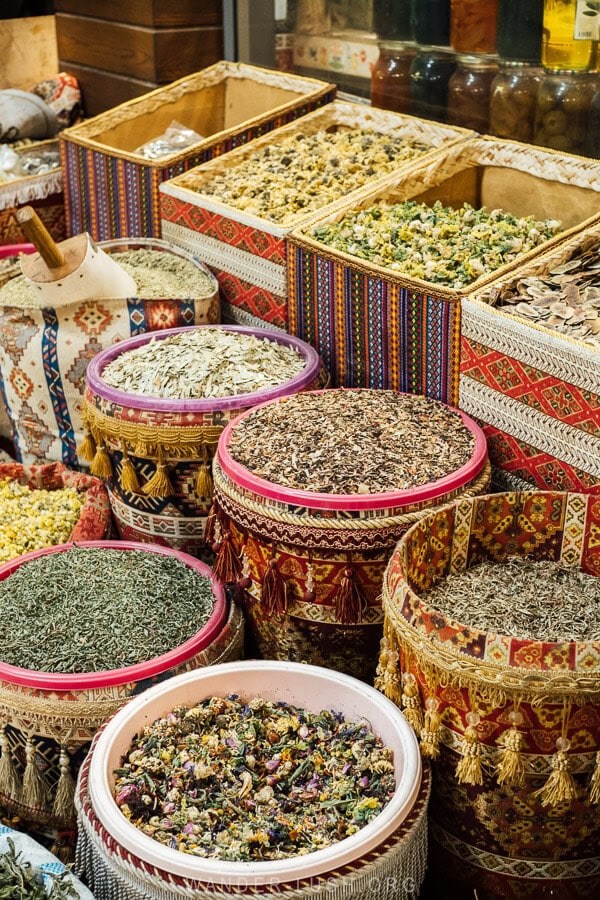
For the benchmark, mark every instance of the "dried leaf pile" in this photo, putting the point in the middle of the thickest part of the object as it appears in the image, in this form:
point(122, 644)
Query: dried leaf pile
point(19, 880)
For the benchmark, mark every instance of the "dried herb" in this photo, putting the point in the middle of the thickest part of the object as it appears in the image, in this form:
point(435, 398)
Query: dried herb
point(92, 609)
point(522, 597)
point(254, 780)
point(436, 243)
point(32, 519)
point(19, 880)
point(352, 442)
point(204, 362)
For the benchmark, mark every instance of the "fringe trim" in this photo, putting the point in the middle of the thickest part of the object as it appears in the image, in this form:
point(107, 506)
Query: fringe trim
point(510, 768)
point(64, 800)
point(160, 483)
point(101, 465)
point(87, 448)
point(10, 785)
point(129, 478)
point(36, 187)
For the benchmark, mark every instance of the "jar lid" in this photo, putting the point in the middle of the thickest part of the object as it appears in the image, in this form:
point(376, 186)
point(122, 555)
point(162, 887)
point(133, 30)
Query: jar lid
point(435, 49)
point(479, 61)
point(397, 45)
point(518, 64)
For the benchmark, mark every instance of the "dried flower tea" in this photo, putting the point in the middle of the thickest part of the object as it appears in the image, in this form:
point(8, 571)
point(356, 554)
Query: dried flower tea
point(157, 274)
point(352, 441)
point(92, 609)
point(306, 171)
point(522, 597)
point(19, 880)
point(566, 299)
point(258, 780)
point(436, 243)
point(203, 362)
point(32, 519)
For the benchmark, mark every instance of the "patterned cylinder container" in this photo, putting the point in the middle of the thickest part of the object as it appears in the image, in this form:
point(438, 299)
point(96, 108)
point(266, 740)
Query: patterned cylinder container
point(156, 453)
point(512, 725)
point(296, 554)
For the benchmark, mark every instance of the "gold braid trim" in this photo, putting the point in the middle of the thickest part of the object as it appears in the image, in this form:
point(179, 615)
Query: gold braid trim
point(55, 718)
point(147, 440)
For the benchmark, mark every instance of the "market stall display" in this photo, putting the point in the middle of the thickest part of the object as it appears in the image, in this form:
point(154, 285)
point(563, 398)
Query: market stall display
point(226, 105)
point(154, 438)
point(236, 211)
point(312, 493)
point(503, 694)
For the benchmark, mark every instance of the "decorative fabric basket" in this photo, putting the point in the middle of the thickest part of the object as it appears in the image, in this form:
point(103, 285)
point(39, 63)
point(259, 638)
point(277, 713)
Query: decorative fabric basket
point(41, 861)
point(376, 328)
point(44, 353)
point(43, 192)
point(536, 392)
point(156, 454)
point(228, 104)
point(247, 253)
point(512, 725)
point(295, 554)
point(48, 720)
point(120, 863)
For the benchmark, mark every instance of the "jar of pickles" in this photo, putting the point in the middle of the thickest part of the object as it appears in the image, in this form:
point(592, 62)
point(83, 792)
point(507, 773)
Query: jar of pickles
point(513, 97)
point(473, 25)
point(570, 33)
point(519, 30)
point(563, 107)
point(430, 74)
point(431, 21)
point(392, 21)
point(469, 92)
point(390, 79)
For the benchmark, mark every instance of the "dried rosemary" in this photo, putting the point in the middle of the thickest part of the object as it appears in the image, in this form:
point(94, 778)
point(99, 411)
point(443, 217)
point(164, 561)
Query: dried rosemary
point(19, 880)
point(256, 780)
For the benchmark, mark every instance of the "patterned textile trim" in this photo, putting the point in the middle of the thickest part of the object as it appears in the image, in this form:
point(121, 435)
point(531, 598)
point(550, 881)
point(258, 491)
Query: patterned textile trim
point(576, 447)
point(37, 187)
point(318, 612)
point(516, 868)
point(508, 481)
point(235, 315)
point(220, 211)
point(157, 526)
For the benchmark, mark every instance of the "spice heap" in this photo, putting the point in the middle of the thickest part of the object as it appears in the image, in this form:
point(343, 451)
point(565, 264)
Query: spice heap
point(305, 172)
point(566, 300)
point(352, 442)
point(19, 880)
point(522, 597)
point(32, 519)
point(158, 275)
point(93, 609)
point(436, 243)
point(255, 780)
point(203, 362)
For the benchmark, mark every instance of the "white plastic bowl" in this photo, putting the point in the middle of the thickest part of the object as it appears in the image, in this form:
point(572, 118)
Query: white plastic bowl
point(309, 687)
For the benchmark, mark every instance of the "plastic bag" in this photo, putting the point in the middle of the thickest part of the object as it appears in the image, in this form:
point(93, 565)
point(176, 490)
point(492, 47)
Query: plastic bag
point(177, 137)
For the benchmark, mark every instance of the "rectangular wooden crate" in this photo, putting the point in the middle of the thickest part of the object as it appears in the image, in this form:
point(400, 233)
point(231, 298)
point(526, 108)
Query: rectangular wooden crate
point(43, 192)
point(112, 191)
point(377, 328)
point(247, 252)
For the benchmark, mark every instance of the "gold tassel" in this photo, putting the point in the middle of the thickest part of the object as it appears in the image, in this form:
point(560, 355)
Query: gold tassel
point(595, 781)
point(129, 479)
point(387, 678)
point(64, 799)
point(160, 483)
point(204, 487)
point(87, 448)
point(35, 789)
point(468, 769)
point(101, 465)
point(560, 785)
point(430, 733)
point(10, 785)
point(411, 702)
point(510, 768)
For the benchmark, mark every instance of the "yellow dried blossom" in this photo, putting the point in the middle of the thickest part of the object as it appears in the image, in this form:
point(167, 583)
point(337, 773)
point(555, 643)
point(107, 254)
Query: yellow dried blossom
point(32, 519)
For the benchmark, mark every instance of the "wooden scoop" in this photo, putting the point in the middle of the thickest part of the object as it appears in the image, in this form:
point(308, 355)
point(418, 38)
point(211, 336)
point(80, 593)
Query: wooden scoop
point(75, 269)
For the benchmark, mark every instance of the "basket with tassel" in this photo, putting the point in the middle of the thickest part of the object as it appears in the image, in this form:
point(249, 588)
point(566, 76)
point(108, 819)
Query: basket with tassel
point(512, 725)
point(48, 720)
point(309, 566)
point(156, 454)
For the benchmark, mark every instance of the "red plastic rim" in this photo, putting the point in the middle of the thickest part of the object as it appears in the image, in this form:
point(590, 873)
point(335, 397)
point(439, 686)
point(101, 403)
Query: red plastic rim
point(140, 671)
point(15, 250)
point(386, 499)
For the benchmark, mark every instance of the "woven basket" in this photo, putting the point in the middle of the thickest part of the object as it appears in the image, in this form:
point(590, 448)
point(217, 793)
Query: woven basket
point(43, 192)
point(535, 391)
point(315, 543)
point(376, 328)
point(153, 438)
point(44, 354)
point(228, 103)
point(248, 252)
point(506, 830)
point(49, 720)
point(95, 521)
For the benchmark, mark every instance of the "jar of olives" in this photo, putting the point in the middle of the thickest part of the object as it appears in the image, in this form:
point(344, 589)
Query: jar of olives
point(430, 74)
point(563, 107)
point(390, 79)
point(469, 92)
point(513, 97)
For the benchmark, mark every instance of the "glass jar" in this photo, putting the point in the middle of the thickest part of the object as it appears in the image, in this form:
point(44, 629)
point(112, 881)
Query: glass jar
point(513, 97)
point(390, 79)
point(592, 139)
point(563, 107)
point(473, 25)
point(431, 21)
point(430, 73)
point(519, 30)
point(570, 29)
point(392, 20)
point(469, 92)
